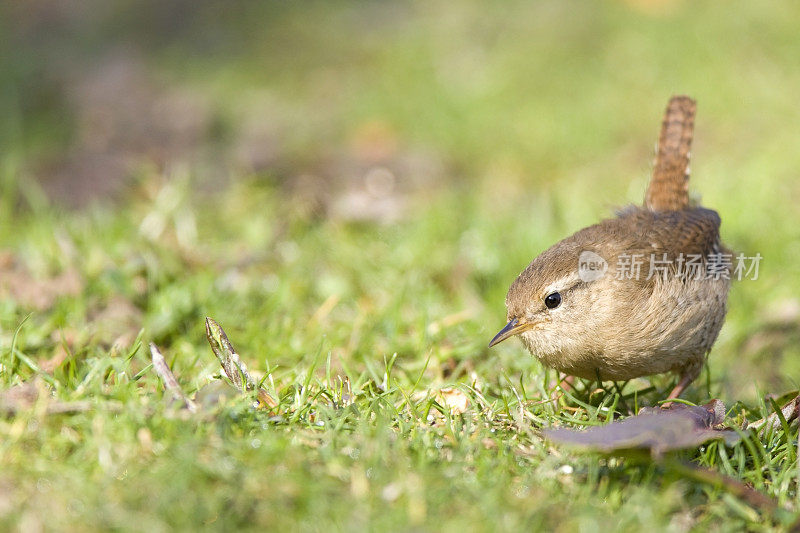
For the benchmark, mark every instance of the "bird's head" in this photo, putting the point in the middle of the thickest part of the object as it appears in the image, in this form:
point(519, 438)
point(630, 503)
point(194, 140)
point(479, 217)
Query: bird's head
point(558, 305)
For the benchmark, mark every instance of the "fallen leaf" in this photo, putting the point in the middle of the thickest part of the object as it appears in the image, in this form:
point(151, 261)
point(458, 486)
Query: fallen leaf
point(710, 415)
point(657, 430)
point(455, 400)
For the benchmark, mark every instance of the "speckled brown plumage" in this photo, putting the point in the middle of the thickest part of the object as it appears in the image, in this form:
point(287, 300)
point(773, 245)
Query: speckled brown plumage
point(619, 326)
point(669, 186)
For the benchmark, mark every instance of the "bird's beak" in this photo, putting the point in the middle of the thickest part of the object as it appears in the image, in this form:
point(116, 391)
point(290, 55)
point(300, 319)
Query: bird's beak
point(512, 328)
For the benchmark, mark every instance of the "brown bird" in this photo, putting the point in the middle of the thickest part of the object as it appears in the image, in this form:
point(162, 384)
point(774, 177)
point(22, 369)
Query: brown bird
point(640, 294)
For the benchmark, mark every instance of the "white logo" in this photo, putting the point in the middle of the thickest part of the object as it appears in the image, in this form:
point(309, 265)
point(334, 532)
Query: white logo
point(591, 266)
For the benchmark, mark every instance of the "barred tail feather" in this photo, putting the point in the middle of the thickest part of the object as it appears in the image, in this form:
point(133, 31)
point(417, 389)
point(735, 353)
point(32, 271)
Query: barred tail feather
point(669, 186)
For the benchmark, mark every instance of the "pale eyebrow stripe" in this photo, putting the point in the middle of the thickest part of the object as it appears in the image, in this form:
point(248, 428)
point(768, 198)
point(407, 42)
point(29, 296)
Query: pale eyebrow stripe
point(562, 284)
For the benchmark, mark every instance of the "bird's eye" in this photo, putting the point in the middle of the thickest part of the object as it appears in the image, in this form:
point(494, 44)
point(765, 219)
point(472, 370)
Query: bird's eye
point(552, 300)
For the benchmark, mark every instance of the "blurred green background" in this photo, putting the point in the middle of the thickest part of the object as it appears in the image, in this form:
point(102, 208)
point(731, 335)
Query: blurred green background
point(354, 185)
point(505, 126)
point(537, 115)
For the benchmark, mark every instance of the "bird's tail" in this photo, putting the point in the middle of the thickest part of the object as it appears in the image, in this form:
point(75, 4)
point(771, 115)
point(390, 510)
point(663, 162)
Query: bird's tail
point(669, 186)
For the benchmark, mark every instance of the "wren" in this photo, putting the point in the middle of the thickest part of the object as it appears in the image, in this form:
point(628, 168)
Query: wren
point(640, 294)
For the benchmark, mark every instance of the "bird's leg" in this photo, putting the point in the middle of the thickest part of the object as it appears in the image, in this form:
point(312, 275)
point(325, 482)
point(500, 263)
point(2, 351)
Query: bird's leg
point(567, 383)
point(678, 390)
point(688, 375)
point(564, 383)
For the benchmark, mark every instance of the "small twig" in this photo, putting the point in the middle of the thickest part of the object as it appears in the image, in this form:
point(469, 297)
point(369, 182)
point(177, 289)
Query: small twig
point(750, 496)
point(790, 413)
point(166, 375)
point(61, 408)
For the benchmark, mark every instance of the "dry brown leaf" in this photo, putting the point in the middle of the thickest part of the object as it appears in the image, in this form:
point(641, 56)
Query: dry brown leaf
point(710, 415)
point(657, 430)
point(455, 400)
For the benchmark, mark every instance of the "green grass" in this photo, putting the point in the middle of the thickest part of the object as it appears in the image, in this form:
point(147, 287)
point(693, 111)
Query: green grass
point(543, 121)
point(361, 437)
